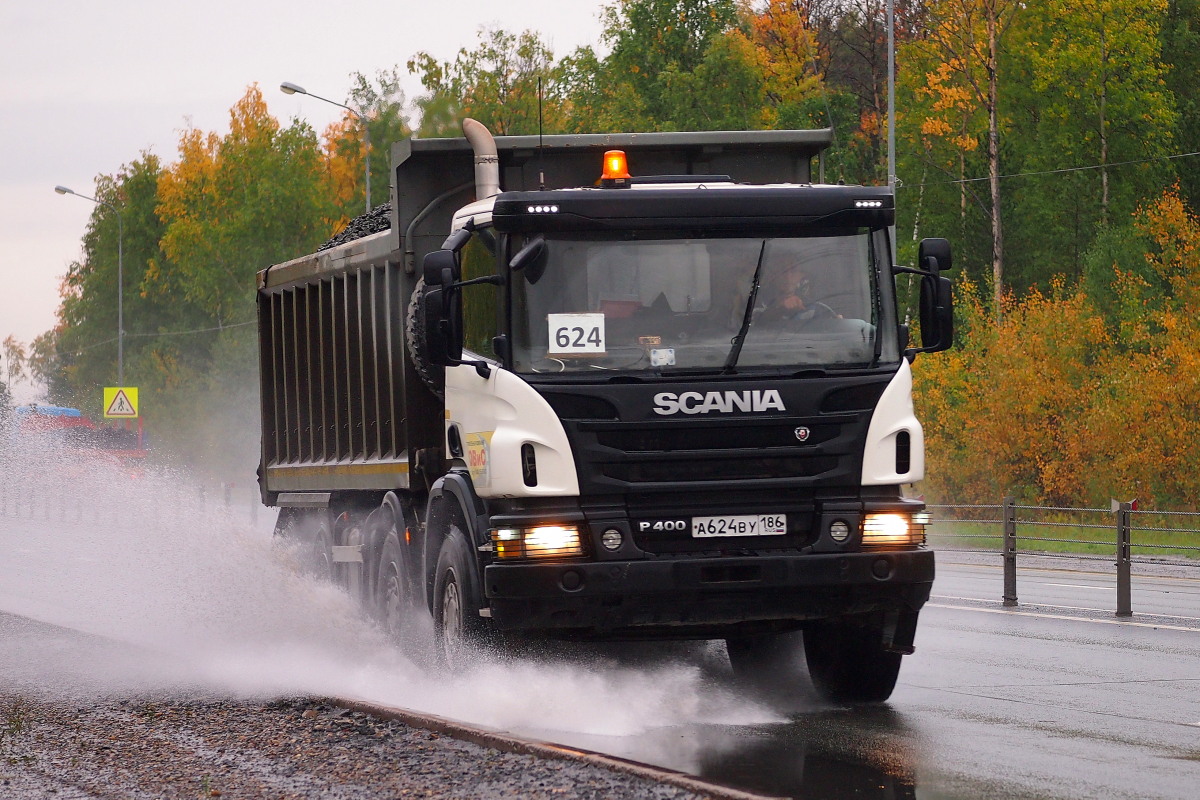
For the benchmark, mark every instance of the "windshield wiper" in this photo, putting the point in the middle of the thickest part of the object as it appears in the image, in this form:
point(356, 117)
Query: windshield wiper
point(740, 338)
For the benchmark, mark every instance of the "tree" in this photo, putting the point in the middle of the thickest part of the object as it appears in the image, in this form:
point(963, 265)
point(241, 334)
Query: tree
point(382, 103)
point(778, 42)
point(15, 365)
point(1095, 65)
point(500, 83)
point(44, 363)
point(88, 313)
point(233, 205)
point(15, 358)
point(852, 57)
point(968, 37)
point(653, 45)
point(727, 90)
point(1180, 34)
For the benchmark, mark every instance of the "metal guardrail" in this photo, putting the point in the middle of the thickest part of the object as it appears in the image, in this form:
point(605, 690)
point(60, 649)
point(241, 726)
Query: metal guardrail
point(125, 503)
point(1122, 520)
point(121, 502)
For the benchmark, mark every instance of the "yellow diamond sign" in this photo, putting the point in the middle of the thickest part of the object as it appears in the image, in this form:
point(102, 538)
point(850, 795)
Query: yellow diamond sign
point(120, 402)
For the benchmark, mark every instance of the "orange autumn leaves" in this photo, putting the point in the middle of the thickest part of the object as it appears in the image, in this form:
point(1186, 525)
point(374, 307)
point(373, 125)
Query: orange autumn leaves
point(232, 205)
point(1059, 403)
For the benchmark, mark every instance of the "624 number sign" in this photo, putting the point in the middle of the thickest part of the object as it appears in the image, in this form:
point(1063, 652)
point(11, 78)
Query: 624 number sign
point(575, 334)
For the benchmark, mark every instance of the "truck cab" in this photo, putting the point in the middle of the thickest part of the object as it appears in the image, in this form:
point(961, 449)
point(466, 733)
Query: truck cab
point(695, 419)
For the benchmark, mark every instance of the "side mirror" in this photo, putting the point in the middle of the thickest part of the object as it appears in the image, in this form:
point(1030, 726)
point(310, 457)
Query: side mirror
point(532, 259)
point(933, 256)
point(937, 313)
point(440, 309)
point(440, 268)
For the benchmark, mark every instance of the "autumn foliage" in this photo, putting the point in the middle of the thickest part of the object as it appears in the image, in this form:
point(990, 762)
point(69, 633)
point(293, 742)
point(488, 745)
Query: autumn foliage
point(1059, 403)
point(1052, 143)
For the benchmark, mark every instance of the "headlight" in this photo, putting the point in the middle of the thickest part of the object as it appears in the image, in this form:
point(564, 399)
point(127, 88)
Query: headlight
point(892, 530)
point(544, 541)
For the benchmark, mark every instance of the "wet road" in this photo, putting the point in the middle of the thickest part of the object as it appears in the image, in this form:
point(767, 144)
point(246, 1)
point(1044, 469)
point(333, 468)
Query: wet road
point(1055, 699)
point(1044, 702)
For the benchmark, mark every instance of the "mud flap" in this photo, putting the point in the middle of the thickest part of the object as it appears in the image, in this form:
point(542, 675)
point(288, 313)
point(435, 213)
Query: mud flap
point(899, 631)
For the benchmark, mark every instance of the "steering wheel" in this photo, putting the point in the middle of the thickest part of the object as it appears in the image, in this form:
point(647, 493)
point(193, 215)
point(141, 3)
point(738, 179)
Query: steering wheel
point(824, 311)
point(820, 313)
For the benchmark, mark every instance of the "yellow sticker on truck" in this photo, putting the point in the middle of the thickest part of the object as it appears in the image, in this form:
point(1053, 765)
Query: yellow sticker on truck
point(479, 457)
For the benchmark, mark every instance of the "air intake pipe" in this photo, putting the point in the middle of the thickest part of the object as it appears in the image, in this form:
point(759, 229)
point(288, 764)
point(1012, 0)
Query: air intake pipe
point(487, 162)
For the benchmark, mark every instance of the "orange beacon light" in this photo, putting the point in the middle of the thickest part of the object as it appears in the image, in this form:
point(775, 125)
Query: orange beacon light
point(616, 169)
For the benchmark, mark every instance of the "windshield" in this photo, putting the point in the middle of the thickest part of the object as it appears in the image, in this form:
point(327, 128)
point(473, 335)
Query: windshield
point(728, 304)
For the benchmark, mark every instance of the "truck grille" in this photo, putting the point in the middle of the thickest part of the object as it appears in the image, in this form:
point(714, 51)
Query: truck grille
point(620, 446)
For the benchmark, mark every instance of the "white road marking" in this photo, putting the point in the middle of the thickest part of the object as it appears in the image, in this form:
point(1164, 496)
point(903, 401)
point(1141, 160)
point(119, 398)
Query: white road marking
point(1065, 617)
point(1042, 605)
point(1049, 605)
point(1081, 586)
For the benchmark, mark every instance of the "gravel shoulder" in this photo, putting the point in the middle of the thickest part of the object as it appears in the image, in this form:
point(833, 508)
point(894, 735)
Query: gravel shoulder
point(292, 748)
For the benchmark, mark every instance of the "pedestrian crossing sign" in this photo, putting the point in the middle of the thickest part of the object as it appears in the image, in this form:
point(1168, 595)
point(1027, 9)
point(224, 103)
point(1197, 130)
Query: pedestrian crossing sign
point(120, 402)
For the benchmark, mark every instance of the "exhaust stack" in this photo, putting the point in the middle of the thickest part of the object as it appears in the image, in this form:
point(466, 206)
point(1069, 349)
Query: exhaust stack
point(487, 162)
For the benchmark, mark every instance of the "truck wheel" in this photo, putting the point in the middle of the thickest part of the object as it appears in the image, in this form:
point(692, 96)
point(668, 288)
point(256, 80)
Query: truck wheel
point(847, 662)
point(320, 550)
point(308, 534)
point(769, 664)
point(393, 592)
point(432, 375)
point(457, 626)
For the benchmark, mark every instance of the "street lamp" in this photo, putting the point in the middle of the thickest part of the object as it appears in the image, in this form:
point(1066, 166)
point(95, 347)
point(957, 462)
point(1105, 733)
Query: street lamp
point(288, 87)
point(120, 279)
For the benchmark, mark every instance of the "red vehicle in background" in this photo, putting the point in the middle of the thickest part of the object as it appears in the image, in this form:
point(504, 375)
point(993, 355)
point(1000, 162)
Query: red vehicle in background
point(70, 429)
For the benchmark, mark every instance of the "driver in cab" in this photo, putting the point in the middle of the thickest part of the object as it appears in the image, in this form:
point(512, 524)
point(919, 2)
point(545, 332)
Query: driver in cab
point(790, 297)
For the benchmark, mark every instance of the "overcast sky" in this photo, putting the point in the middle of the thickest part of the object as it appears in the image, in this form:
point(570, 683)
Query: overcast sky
point(86, 86)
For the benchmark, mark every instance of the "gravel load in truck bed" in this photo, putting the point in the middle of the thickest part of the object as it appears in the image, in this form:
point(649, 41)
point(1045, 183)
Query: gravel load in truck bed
point(377, 219)
point(295, 748)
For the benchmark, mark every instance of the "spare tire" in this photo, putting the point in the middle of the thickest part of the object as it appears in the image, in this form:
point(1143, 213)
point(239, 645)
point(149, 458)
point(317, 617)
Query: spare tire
point(432, 375)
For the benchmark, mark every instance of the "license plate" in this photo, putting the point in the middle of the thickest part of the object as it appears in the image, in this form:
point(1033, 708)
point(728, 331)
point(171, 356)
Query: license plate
point(740, 525)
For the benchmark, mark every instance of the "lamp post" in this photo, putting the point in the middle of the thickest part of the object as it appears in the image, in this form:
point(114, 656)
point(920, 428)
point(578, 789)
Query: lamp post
point(120, 278)
point(290, 88)
point(891, 95)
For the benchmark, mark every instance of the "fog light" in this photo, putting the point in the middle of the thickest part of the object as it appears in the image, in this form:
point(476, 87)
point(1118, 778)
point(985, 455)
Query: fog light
point(891, 530)
point(611, 539)
point(543, 541)
point(839, 531)
point(508, 543)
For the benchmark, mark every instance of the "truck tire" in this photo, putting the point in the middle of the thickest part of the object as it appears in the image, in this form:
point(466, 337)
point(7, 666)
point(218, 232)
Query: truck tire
point(847, 662)
point(432, 375)
point(320, 552)
point(767, 664)
point(393, 590)
point(457, 626)
point(309, 534)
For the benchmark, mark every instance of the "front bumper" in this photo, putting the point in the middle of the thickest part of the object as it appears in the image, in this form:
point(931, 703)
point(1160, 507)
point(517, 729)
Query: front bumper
point(703, 597)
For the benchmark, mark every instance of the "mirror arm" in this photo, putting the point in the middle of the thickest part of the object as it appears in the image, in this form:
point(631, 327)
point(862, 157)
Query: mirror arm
point(911, 352)
point(482, 368)
point(494, 280)
point(899, 270)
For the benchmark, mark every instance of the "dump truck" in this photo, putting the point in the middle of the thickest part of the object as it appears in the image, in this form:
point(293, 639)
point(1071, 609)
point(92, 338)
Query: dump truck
point(630, 386)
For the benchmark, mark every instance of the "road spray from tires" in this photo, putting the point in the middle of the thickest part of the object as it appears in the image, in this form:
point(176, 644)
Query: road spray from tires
point(139, 582)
